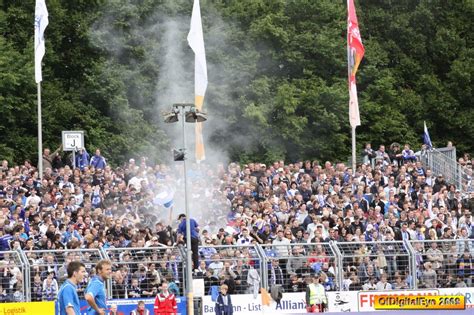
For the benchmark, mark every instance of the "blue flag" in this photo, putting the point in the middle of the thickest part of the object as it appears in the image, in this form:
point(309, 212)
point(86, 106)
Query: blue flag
point(426, 137)
point(164, 198)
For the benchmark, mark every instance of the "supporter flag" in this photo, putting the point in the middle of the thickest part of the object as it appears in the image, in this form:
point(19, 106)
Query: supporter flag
point(426, 137)
point(355, 52)
point(196, 42)
point(164, 198)
point(41, 21)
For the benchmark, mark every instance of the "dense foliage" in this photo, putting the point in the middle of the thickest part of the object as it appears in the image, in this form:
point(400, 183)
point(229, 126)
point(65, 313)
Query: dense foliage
point(277, 75)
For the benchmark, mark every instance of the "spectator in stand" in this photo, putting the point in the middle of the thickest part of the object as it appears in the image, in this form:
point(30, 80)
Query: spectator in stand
point(194, 237)
point(82, 159)
point(368, 154)
point(48, 157)
point(113, 310)
point(98, 161)
point(140, 310)
point(408, 154)
point(383, 284)
point(394, 154)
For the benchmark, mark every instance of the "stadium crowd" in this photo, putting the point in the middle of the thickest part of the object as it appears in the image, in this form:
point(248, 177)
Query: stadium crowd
point(291, 209)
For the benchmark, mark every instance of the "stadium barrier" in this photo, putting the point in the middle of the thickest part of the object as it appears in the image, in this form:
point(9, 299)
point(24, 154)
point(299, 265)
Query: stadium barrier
point(241, 267)
point(47, 270)
point(365, 263)
point(14, 283)
point(290, 266)
point(138, 271)
point(442, 263)
point(416, 264)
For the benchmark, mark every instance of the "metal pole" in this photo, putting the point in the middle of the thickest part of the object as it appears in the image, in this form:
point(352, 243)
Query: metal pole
point(353, 150)
point(189, 263)
point(74, 158)
point(40, 135)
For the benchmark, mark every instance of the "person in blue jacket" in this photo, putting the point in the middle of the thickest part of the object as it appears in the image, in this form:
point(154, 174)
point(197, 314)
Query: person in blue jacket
point(82, 159)
point(98, 161)
point(224, 302)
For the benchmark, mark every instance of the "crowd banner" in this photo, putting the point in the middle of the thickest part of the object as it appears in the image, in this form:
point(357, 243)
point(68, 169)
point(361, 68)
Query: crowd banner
point(467, 292)
point(27, 308)
point(126, 306)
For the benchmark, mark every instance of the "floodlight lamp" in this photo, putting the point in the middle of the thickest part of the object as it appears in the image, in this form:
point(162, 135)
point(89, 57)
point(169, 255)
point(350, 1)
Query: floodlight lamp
point(194, 115)
point(179, 155)
point(171, 117)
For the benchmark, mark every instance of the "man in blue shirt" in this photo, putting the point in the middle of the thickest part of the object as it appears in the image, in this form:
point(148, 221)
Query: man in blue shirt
point(194, 237)
point(98, 161)
point(68, 300)
point(95, 292)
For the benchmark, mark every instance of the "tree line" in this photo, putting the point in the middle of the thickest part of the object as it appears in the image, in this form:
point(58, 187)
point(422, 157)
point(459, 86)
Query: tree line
point(281, 86)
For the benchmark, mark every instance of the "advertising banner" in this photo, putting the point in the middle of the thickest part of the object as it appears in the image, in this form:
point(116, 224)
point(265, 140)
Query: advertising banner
point(467, 292)
point(291, 303)
point(366, 299)
point(343, 301)
point(27, 308)
point(126, 306)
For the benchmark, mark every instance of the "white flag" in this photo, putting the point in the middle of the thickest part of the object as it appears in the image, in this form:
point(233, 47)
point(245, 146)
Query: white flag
point(41, 21)
point(196, 42)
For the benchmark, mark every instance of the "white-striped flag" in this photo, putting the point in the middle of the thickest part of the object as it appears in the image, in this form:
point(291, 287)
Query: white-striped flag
point(196, 42)
point(41, 21)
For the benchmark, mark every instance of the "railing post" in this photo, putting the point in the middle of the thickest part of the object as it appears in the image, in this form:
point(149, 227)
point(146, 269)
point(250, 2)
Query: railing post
point(339, 265)
point(26, 275)
point(263, 265)
point(412, 264)
point(104, 255)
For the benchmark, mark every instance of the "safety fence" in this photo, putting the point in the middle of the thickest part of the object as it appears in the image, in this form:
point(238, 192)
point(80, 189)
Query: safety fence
point(341, 266)
point(138, 272)
point(443, 161)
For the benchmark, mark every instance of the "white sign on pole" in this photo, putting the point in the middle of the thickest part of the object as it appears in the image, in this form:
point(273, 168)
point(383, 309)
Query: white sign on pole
point(73, 140)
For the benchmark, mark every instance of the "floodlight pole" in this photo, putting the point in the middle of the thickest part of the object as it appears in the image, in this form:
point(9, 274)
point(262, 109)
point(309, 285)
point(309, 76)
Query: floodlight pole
point(189, 252)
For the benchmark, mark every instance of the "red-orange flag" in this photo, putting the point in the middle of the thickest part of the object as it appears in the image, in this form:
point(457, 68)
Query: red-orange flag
point(355, 52)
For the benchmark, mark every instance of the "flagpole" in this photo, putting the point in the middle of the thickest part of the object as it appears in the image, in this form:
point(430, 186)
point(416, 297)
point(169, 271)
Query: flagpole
point(40, 135)
point(353, 128)
point(353, 150)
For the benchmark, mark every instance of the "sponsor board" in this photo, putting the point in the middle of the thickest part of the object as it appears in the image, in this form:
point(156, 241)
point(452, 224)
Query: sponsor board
point(291, 303)
point(366, 299)
point(27, 308)
point(342, 301)
point(467, 292)
point(126, 306)
point(417, 302)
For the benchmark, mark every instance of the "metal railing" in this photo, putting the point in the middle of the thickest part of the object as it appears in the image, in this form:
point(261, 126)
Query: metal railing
point(291, 266)
point(47, 270)
point(443, 161)
point(365, 265)
point(137, 272)
point(241, 267)
point(13, 277)
point(443, 263)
